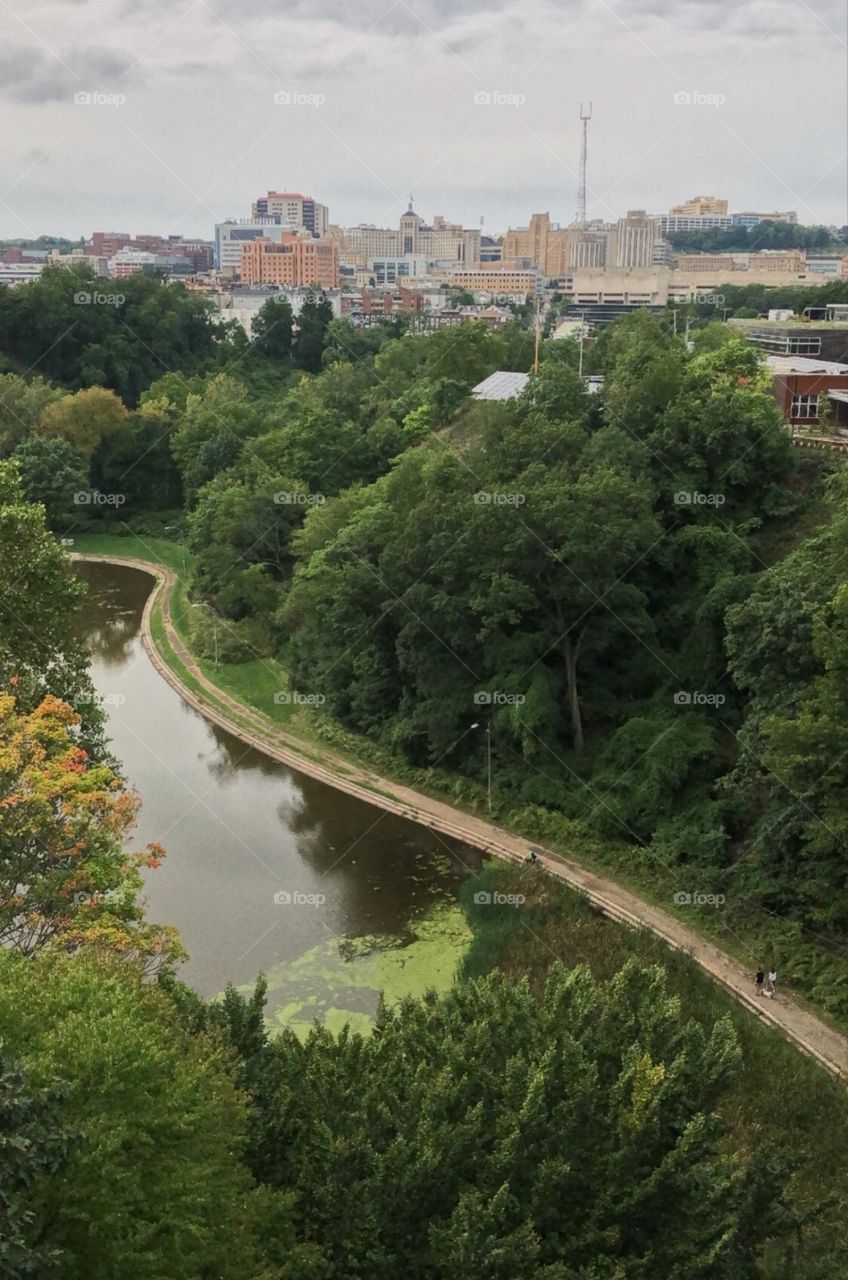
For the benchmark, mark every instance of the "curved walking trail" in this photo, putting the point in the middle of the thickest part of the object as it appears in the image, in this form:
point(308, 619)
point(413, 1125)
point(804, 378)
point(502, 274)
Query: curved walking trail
point(828, 1047)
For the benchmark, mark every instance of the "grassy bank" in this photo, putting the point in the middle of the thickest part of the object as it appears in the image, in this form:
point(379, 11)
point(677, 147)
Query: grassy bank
point(780, 1097)
point(818, 978)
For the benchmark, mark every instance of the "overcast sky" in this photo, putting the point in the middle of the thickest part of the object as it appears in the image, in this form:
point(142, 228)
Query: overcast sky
point(470, 106)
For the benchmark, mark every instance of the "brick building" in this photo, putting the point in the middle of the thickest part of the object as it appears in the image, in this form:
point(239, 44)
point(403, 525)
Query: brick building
point(293, 262)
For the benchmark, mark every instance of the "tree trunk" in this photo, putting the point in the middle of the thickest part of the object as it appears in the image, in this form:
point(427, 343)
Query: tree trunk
point(571, 653)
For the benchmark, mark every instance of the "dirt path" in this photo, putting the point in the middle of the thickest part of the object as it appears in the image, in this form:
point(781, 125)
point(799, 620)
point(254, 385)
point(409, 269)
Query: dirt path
point(819, 1041)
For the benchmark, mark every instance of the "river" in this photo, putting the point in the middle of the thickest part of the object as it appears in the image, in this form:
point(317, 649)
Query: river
point(268, 870)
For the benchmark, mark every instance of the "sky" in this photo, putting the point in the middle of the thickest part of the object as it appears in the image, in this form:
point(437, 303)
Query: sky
point(165, 116)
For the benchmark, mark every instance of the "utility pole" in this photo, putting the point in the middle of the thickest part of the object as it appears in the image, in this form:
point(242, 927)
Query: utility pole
point(585, 117)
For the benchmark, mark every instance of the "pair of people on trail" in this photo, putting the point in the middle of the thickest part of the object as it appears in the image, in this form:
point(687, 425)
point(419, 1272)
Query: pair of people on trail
point(760, 981)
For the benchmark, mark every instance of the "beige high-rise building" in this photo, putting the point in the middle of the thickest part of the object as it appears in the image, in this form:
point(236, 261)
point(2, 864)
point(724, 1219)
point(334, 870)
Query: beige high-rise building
point(635, 237)
point(557, 250)
point(441, 242)
point(701, 205)
point(542, 244)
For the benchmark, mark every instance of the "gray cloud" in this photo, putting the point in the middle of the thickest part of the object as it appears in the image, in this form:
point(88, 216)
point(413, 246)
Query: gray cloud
point(33, 75)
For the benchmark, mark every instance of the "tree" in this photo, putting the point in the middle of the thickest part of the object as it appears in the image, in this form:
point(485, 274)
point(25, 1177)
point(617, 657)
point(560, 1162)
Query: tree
point(153, 1185)
point(40, 652)
point(22, 402)
point(313, 321)
point(65, 876)
point(34, 1145)
point(83, 331)
point(273, 329)
point(52, 473)
point(84, 420)
point(583, 1142)
point(214, 428)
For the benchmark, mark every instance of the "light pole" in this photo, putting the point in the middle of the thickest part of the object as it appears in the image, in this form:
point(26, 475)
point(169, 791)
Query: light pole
point(488, 729)
point(203, 605)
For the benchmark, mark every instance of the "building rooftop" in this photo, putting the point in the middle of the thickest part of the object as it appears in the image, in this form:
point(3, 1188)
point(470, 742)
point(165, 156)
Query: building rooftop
point(803, 364)
point(500, 386)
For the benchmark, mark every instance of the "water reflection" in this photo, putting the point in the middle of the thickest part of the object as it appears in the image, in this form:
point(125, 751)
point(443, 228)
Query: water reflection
point(240, 828)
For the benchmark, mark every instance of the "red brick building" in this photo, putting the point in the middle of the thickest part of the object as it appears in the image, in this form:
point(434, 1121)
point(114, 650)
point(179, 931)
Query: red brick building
point(802, 388)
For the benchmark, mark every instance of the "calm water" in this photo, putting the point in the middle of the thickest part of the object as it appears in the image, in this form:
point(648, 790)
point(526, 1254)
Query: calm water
point(239, 829)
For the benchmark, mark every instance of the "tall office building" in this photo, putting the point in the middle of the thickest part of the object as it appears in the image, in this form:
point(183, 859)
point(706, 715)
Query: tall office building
point(293, 209)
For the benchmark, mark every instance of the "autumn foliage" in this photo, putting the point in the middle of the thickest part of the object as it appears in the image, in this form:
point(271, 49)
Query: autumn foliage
point(65, 876)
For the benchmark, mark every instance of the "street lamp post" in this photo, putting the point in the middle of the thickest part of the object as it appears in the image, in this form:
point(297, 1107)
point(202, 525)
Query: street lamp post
point(488, 729)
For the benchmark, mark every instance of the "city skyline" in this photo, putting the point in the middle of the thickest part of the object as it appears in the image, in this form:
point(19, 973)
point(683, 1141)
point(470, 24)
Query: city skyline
point(183, 116)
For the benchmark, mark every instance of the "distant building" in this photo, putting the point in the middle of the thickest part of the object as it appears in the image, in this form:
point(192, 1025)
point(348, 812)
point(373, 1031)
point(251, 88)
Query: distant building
point(749, 219)
point(498, 280)
point(295, 261)
point(390, 270)
point(699, 206)
point(670, 224)
point(824, 339)
point(232, 234)
point(20, 272)
point(556, 250)
point(126, 262)
point(293, 209)
point(806, 389)
point(440, 241)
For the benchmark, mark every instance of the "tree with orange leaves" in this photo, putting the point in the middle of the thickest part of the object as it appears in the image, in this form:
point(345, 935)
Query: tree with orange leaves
point(65, 876)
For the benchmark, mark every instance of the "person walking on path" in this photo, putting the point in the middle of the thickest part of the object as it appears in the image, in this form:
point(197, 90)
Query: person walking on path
point(760, 979)
point(772, 981)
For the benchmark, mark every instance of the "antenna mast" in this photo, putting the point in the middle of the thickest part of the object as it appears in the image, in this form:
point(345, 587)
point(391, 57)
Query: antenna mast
point(585, 117)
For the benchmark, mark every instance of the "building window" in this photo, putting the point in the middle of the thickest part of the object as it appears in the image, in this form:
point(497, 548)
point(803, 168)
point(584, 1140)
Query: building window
point(805, 408)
